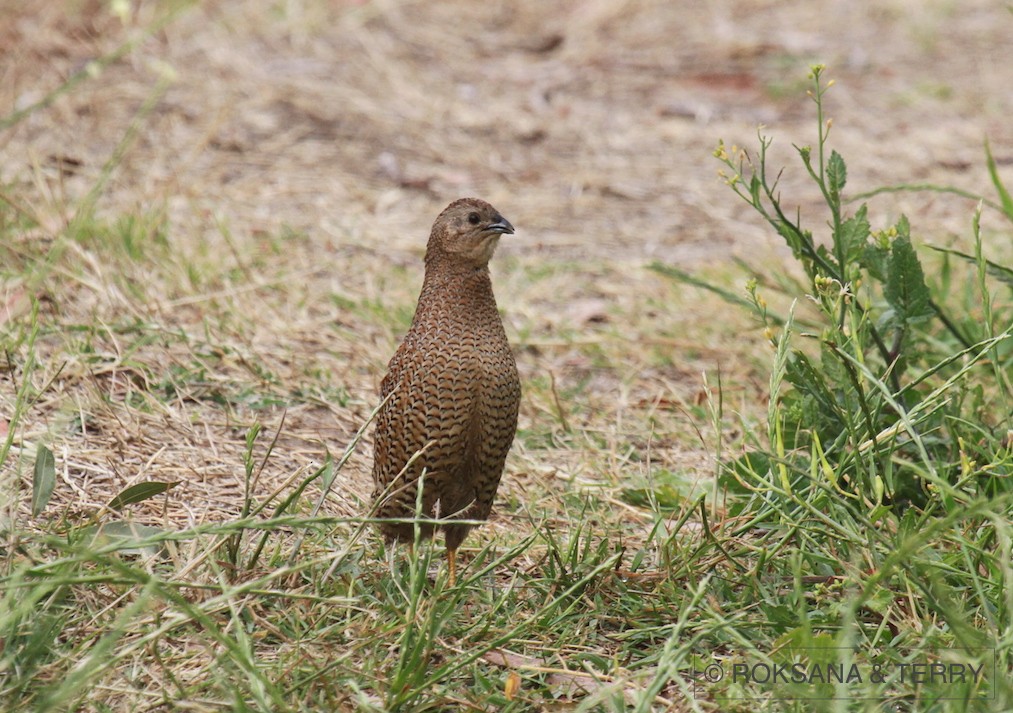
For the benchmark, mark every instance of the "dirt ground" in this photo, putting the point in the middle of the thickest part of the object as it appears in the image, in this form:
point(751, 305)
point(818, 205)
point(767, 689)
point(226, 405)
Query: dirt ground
point(590, 125)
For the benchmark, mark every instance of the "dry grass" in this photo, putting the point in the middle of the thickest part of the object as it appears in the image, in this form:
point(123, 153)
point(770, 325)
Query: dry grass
point(301, 149)
point(224, 229)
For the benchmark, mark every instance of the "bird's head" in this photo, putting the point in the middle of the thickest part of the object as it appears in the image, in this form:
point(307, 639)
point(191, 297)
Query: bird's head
point(466, 232)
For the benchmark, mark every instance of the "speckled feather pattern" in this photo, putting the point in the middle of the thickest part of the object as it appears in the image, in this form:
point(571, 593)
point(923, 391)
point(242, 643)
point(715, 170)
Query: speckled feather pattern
point(454, 395)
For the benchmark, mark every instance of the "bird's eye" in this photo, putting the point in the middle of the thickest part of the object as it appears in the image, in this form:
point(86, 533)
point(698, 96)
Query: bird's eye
point(473, 218)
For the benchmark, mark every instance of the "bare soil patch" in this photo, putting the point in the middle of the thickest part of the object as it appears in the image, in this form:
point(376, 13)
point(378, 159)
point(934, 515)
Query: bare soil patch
point(303, 149)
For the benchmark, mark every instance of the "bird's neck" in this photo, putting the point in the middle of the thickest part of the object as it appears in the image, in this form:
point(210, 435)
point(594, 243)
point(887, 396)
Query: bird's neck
point(458, 287)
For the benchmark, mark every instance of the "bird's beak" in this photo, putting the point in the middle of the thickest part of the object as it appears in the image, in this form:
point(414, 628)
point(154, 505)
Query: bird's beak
point(502, 225)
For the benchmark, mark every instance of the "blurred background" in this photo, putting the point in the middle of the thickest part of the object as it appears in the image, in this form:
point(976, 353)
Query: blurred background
point(589, 123)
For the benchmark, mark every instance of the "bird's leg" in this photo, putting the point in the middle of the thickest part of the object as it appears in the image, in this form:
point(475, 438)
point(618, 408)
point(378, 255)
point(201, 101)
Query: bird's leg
point(452, 565)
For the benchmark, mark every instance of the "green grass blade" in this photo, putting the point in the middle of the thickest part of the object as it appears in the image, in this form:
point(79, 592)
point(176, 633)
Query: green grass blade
point(43, 479)
point(1000, 188)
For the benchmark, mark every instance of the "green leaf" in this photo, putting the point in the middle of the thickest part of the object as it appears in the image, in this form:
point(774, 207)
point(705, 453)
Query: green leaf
point(140, 491)
point(125, 537)
point(327, 474)
point(904, 226)
point(43, 479)
point(876, 261)
point(827, 257)
point(837, 174)
point(666, 490)
point(853, 235)
point(993, 171)
point(755, 186)
point(819, 409)
point(748, 466)
point(835, 375)
point(800, 241)
point(737, 475)
point(905, 288)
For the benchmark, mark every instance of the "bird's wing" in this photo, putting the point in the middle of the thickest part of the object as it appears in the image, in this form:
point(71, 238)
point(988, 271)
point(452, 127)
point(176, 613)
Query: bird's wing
point(430, 410)
point(496, 424)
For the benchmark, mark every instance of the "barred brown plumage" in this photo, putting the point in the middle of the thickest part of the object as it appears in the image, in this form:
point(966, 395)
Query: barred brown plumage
point(452, 390)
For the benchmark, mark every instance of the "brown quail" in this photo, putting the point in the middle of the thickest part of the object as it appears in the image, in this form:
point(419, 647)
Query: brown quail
point(453, 389)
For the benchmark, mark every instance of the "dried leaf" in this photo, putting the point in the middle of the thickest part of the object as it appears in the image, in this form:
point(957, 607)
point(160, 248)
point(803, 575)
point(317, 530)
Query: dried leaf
point(512, 685)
